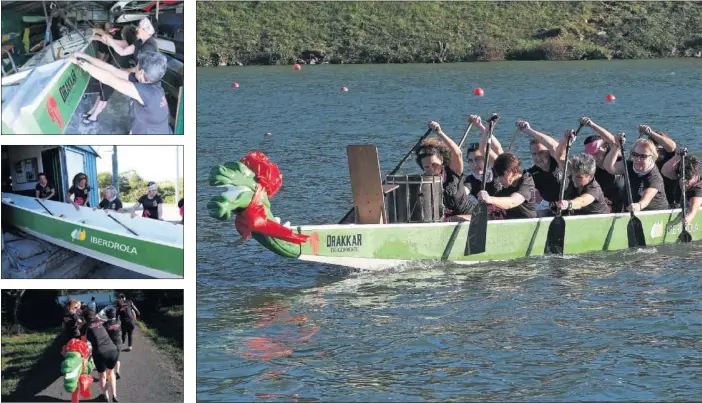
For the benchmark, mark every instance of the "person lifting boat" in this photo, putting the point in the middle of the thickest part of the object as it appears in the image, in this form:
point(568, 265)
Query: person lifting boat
point(583, 195)
point(43, 190)
point(517, 192)
point(647, 188)
point(443, 158)
point(666, 151)
point(152, 202)
point(80, 192)
point(692, 183)
point(110, 201)
point(598, 145)
point(545, 154)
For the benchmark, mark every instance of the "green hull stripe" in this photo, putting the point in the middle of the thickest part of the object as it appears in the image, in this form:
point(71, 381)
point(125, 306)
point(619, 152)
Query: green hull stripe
point(153, 255)
point(509, 239)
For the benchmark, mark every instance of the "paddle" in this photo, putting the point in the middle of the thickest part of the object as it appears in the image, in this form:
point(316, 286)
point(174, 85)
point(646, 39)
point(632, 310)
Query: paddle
point(477, 229)
point(684, 236)
point(394, 171)
point(465, 136)
point(555, 238)
point(42, 204)
point(125, 227)
point(511, 143)
point(634, 229)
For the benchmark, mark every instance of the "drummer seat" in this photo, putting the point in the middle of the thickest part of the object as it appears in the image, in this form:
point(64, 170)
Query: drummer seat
point(367, 187)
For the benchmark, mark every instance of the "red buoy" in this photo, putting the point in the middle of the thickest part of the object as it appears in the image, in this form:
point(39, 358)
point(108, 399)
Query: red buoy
point(235, 85)
point(478, 92)
point(344, 89)
point(268, 134)
point(297, 67)
point(610, 98)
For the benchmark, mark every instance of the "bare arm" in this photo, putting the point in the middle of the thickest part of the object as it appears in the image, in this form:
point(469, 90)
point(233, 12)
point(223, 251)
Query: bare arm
point(646, 197)
point(601, 131)
point(547, 141)
point(506, 203)
point(456, 163)
point(104, 66)
point(120, 47)
point(160, 211)
point(666, 142)
point(36, 193)
point(695, 204)
point(582, 201)
point(669, 169)
point(493, 154)
point(611, 164)
point(134, 208)
point(124, 86)
point(51, 194)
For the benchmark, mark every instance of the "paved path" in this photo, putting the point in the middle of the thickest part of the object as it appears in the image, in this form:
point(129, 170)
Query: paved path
point(147, 376)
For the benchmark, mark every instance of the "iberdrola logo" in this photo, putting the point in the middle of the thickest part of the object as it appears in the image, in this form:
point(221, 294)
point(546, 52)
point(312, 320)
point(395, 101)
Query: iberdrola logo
point(657, 230)
point(78, 235)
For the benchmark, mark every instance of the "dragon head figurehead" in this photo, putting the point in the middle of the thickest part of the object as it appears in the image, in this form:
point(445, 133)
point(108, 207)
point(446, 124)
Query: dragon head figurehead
point(76, 368)
point(249, 184)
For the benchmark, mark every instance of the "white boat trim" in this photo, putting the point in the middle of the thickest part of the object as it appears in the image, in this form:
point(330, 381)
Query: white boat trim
point(103, 257)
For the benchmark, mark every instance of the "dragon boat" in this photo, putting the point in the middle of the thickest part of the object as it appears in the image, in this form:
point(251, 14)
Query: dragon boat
point(143, 245)
point(400, 221)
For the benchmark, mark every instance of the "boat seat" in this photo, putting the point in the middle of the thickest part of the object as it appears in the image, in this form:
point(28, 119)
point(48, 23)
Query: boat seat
point(366, 184)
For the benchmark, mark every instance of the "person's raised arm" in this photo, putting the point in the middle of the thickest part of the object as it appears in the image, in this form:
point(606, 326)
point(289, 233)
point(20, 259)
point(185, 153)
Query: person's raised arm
point(547, 141)
point(611, 164)
point(119, 46)
point(456, 162)
point(102, 65)
point(670, 168)
point(123, 86)
point(666, 142)
point(601, 131)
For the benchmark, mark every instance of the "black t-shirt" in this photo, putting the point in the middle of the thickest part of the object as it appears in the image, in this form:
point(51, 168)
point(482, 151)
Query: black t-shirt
point(114, 330)
point(180, 203)
point(115, 204)
point(694, 191)
point(672, 188)
point(80, 195)
point(653, 179)
point(547, 183)
point(150, 206)
point(44, 190)
point(72, 324)
point(126, 313)
point(599, 206)
point(152, 116)
point(455, 197)
point(613, 187)
point(474, 185)
point(99, 338)
point(525, 187)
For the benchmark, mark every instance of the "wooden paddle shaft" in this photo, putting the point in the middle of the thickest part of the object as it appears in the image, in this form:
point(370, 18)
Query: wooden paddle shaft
point(491, 126)
point(626, 174)
point(684, 195)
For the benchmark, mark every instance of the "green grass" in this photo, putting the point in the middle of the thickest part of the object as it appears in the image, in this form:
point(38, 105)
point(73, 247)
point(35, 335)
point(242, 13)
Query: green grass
point(166, 330)
point(20, 353)
point(402, 32)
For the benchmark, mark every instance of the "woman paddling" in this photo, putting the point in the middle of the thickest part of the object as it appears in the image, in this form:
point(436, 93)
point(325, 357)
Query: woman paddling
point(475, 155)
point(692, 183)
point(545, 154)
point(598, 146)
point(443, 158)
point(647, 188)
point(80, 192)
point(665, 146)
point(105, 354)
point(517, 192)
point(583, 194)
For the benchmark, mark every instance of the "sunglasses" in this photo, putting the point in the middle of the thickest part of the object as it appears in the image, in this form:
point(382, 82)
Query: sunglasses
point(639, 156)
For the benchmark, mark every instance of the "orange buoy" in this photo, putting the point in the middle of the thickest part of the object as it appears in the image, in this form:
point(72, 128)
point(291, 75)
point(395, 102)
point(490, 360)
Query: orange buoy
point(610, 98)
point(235, 85)
point(268, 134)
point(297, 67)
point(478, 92)
point(344, 89)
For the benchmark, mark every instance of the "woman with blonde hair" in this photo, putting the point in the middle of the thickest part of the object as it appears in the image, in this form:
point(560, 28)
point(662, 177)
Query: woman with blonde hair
point(647, 186)
point(111, 201)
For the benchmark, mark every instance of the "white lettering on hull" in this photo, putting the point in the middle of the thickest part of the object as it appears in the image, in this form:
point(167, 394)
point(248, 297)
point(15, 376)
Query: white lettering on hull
point(113, 245)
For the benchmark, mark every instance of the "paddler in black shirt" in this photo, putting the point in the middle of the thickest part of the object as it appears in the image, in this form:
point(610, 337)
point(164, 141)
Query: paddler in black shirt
point(80, 190)
point(598, 146)
point(666, 151)
point(516, 192)
point(43, 190)
point(152, 202)
point(475, 155)
point(111, 201)
point(545, 151)
point(693, 185)
point(443, 158)
point(583, 194)
point(647, 188)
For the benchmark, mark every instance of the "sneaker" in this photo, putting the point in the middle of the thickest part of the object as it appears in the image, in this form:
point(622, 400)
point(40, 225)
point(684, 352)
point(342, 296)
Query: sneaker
point(130, 348)
point(114, 399)
point(106, 396)
point(117, 375)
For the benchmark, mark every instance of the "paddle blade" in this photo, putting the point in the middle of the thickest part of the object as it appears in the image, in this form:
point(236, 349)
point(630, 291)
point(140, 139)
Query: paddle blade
point(685, 237)
point(477, 230)
point(555, 239)
point(635, 233)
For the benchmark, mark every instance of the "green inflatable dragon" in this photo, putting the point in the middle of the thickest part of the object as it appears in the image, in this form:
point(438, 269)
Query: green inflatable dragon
point(76, 368)
point(250, 183)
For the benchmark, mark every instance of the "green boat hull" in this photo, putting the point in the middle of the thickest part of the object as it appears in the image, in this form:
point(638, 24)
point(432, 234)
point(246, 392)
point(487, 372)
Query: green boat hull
point(140, 255)
point(384, 245)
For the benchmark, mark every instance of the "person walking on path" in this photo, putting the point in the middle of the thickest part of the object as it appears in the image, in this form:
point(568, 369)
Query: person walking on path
point(105, 354)
point(114, 329)
point(127, 316)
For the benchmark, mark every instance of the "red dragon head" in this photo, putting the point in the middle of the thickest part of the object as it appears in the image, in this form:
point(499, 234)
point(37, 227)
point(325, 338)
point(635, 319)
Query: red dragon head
point(54, 113)
point(267, 173)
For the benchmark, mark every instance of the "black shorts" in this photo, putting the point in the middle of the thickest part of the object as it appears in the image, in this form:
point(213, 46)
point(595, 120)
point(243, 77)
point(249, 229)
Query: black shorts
point(105, 359)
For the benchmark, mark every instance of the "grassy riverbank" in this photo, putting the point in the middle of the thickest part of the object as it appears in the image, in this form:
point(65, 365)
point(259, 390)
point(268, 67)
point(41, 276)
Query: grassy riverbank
point(22, 352)
point(165, 328)
point(265, 33)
